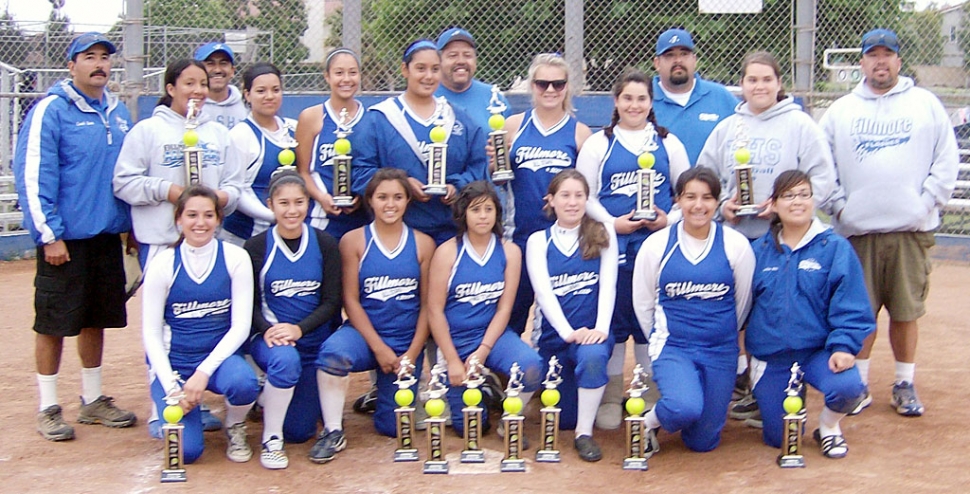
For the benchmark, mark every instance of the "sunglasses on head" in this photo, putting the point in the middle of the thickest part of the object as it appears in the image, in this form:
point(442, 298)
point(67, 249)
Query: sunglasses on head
point(543, 85)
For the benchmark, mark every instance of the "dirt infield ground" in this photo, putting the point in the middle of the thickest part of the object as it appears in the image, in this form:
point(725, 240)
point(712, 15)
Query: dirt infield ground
point(889, 453)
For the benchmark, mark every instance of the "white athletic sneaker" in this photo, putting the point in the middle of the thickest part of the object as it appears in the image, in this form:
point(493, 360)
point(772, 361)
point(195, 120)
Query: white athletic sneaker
point(273, 455)
point(238, 449)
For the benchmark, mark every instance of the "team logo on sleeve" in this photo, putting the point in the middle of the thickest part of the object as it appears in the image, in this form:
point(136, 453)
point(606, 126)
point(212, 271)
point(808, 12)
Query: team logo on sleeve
point(385, 288)
point(197, 310)
point(478, 292)
point(689, 290)
point(294, 288)
point(576, 284)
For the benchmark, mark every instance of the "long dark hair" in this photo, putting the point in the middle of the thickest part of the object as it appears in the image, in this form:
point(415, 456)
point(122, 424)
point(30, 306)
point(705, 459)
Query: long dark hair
point(470, 194)
point(172, 73)
point(197, 190)
point(764, 58)
point(593, 237)
point(634, 76)
point(384, 175)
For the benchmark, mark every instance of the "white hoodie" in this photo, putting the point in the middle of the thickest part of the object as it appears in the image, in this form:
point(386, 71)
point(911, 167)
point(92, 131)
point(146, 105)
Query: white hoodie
point(896, 156)
point(228, 112)
point(151, 160)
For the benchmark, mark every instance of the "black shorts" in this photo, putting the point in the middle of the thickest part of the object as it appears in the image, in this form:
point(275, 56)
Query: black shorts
point(87, 292)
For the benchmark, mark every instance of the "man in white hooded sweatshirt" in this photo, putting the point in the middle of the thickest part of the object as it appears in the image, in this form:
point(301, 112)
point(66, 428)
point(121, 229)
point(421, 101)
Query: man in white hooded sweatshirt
point(896, 157)
point(225, 102)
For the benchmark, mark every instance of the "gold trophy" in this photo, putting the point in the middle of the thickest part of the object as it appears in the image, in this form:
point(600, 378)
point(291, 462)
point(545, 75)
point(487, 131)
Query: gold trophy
point(794, 405)
point(437, 153)
point(472, 413)
point(636, 433)
point(503, 172)
point(173, 470)
point(404, 413)
point(435, 406)
point(743, 171)
point(645, 176)
point(549, 450)
point(342, 197)
point(192, 153)
point(513, 461)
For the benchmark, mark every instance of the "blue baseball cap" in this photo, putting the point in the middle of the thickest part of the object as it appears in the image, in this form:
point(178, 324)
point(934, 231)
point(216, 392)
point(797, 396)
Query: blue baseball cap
point(455, 34)
point(85, 41)
point(205, 51)
point(880, 37)
point(674, 38)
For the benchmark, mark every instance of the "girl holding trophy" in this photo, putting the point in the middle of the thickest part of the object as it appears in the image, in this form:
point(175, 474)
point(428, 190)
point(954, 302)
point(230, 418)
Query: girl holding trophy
point(297, 294)
point(471, 289)
point(810, 307)
point(611, 161)
point(197, 308)
point(572, 266)
point(322, 125)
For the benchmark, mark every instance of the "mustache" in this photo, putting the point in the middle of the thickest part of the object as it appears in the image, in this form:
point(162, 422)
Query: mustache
point(98, 72)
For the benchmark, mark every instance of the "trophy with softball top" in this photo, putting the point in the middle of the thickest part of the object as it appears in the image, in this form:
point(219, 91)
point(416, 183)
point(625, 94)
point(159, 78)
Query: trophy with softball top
point(794, 405)
point(404, 413)
point(497, 138)
point(435, 406)
point(743, 171)
point(513, 461)
point(342, 196)
point(645, 176)
point(549, 451)
point(437, 153)
point(173, 470)
point(191, 152)
point(472, 413)
point(636, 423)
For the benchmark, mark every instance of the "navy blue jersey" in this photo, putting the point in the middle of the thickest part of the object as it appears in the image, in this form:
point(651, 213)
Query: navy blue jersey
point(575, 281)
point(389, 291)
point(267, 162)
point(474, 289)
point(321, 169)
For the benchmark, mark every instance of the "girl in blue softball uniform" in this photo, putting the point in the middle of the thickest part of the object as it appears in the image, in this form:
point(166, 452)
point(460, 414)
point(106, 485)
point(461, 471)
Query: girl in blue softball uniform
point(471, 289)
point(196, 313)
point(297, 295)
point(811, 307)
point(317, 128)
point(572, 265)
point(258, 139)
point(399, 137)
point(691, 291)
point(609, 161)
point(385, 272)
point(543, 141)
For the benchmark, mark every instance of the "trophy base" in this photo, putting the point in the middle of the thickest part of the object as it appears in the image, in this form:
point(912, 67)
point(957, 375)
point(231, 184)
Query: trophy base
point(436, 190)
point(513, 465)
point(503, 175)
point(405, 455)
point(435, 467)
point(547, 456)
point(644, 215)
point(635, 464)
point(343, 201)
point(473, 456)
point(791, 461)
point(173, 475)
point(748, 211)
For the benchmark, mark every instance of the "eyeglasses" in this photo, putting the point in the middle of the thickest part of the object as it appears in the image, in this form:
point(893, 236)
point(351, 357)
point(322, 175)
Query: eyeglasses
point(791, 196)
point(557, 85)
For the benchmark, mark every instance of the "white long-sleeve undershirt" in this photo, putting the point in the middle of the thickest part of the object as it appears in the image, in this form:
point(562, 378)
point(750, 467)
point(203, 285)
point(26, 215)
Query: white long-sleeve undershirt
point(250, 151)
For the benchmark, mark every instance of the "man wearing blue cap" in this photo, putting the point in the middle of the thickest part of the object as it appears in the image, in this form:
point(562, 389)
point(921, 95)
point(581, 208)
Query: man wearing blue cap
point(686, 104)
point(225, 102)
point(897, 161)
point(63, 165)
point(459, 61)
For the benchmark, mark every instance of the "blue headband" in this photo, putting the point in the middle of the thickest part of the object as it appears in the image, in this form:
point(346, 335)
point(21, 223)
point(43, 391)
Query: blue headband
point(420, 44)
point(338, 51)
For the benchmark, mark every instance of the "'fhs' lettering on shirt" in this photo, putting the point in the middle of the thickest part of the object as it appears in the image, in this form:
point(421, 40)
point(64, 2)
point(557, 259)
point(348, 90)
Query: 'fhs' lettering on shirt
point(689, 290)
point(294, 288)
point(384, 288)
point(871, 135)
point(478, 292)
point(196, 309)
point(536, 158)
point(627, 183)
point(564, 284)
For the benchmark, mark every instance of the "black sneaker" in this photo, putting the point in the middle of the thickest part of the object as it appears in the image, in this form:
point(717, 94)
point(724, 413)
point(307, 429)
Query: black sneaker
point(587, 448)
point(652, 444)
point(367, 402)
point(327, 446)
point(742, 386)
point(745, 408)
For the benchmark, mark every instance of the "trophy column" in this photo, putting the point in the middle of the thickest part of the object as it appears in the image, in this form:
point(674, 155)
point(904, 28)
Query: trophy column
point(645, 176)
point(404, 413)
point(743, 171)
point(636, 423)
point(794, 405)
point(192, 153)
point(497, 138)
point(513, 421)
point(435, 406)
point(173, 470)
point(342, 196)
point(472, 413)
point(438, 154)
point(549, 450)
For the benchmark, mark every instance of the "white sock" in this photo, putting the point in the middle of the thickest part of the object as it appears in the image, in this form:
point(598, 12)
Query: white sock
point(90, 384)
point(652, 421)
point(615, 366)
point(828, 422)
point(589, 402)
point(236, 414)
point(905, 372)
point(275, 402)
point(863, 366)
point(47, 385)
point(333, 395)
point(742, 364)
point(641, 352)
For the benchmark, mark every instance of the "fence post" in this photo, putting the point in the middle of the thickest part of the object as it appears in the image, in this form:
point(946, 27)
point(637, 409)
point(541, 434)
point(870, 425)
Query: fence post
point(804, 52)
point(574, 44)
point(134, 53)
point(351, 25)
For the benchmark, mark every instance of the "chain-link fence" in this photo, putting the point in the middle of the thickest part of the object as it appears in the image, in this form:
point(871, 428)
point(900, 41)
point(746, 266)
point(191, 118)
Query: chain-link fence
point(816, 42)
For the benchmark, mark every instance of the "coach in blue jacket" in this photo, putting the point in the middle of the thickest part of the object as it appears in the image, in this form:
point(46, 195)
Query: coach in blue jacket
point(63, 165)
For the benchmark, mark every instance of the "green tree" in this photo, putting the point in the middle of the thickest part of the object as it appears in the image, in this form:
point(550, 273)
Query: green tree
point(13, 49)
point(57, 37)
point(287, 20)
point(923, 36)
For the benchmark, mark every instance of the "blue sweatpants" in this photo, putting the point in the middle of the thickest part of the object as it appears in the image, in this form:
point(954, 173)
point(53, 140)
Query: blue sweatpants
point(346, 351)
point(584, 366)
point(695, 387)
point(508, 349)
point(625, 322)
point(234, 379)
point(292, 367)
point(843, 391)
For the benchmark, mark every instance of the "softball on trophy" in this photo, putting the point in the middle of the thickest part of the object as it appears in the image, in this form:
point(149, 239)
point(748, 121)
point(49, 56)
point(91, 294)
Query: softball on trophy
point(646, 160)
point(286, 157)
point(472, 397)
point(792, 404)
point(496, 122)
point(403, 397)
point(435, 407)
point(635, 406)
point(341, 146)
point(190, 138)
point(512, 405)
point(172, 414)
point(550, 397)
point(438, 134)
point(742, 156)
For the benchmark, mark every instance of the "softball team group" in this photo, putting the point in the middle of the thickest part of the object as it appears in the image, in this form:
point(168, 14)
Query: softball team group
point(305, 292)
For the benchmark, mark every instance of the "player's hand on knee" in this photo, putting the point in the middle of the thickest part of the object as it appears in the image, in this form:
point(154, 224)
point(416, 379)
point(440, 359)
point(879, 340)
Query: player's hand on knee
point(194, 387)
point(387, 359)
point(841, 361)
point(456, 372)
